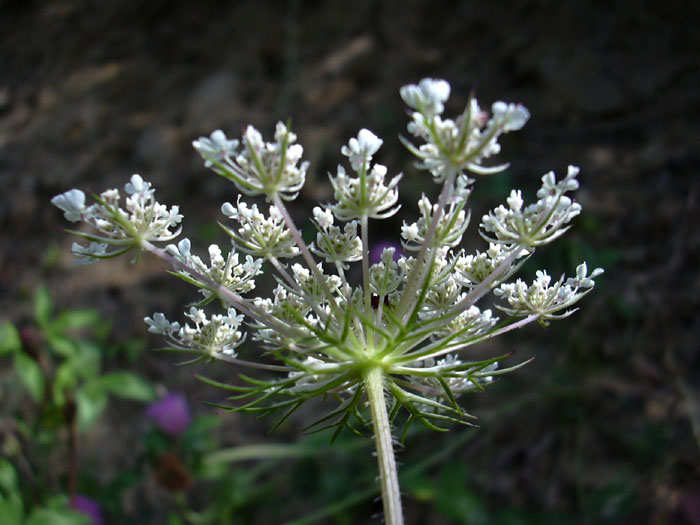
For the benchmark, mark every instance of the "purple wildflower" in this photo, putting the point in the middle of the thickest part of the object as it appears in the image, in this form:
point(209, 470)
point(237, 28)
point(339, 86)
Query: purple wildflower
point(171, 414)
point(87, 506)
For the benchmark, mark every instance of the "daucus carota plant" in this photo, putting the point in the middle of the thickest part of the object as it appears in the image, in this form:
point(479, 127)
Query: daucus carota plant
point(395, 342)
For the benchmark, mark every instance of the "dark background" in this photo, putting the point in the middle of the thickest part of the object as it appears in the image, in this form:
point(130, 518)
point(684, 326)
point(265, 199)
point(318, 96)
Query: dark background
point(91, 92)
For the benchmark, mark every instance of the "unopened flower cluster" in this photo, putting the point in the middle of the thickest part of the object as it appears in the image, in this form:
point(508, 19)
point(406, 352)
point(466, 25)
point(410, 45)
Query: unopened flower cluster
point(413, 314)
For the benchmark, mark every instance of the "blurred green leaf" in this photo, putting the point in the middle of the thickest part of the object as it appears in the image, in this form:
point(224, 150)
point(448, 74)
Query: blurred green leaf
point(198, 436)
point(75, 320)
point(91, 402)
point(611, 502)
point(455, 500)
point(419, 486)
point(9, 339)
point(42, 306)
point(208, 232)
point(11, 510)
point(62, 345)
point(128, 385)
point(174, 519)
point(8, 476)
point(58, 517)
point(87, 360)
point(130, 348)
point(65, 380)
point(494, 188)
point(30, 373)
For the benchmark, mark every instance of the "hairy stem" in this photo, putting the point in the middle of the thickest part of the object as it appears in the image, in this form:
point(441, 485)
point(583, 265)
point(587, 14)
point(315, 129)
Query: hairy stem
point(388, 474)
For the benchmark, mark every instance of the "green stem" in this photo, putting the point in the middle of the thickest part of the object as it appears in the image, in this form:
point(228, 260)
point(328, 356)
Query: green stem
point(421, 268)
point(305, 252)
point(388, 474)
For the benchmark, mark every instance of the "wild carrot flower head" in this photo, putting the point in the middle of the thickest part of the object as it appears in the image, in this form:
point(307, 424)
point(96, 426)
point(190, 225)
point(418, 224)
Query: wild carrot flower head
point(411, 314)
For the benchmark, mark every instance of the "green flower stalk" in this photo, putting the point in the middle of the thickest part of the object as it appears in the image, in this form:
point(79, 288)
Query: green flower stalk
point(389, 348)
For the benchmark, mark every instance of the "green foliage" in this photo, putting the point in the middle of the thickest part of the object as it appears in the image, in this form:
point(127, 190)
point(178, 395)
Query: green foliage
point(58, 390)
point(9, 339)
point(67, 365)
point(58, 516)
point(30, 373)
point(127, 385)
point(454, 499)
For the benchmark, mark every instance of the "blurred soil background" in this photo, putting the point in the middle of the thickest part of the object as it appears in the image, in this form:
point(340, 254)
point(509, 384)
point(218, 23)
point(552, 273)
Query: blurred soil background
point(604, 426)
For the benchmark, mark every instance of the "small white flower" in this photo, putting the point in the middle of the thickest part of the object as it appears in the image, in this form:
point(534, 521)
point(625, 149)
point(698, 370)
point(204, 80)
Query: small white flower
point(225, 271)
point(436, 92)
point(72, 203)
point(160, 325)
point(196, 315)
point(218, 335)
point(360, 150)
point(428, 96)
point(215, 255)
point(410, 232)
point(324, 217)
point(513, 116)
point(137, 185)
point(216, 148)
point(582, 279)
point(515, 201)
point(142, 219)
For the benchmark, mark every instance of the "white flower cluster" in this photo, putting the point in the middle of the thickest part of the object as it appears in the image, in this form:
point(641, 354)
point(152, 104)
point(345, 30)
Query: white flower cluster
point(294, 321)
point(539, 223)
point(310, 288)
point(446, 292)
point(443, 290)
point(469, 324)
point(544, 298)
point(210, 337)
point(229, 273)
point(216, 149)
point(260, 168)
point(451, 225)
point(460, 144)
point(365, 195)
point(329, 324)
point(333, 245)
point(141, 220)
point(386, 276)
point(265, 237)
point(473, 269)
